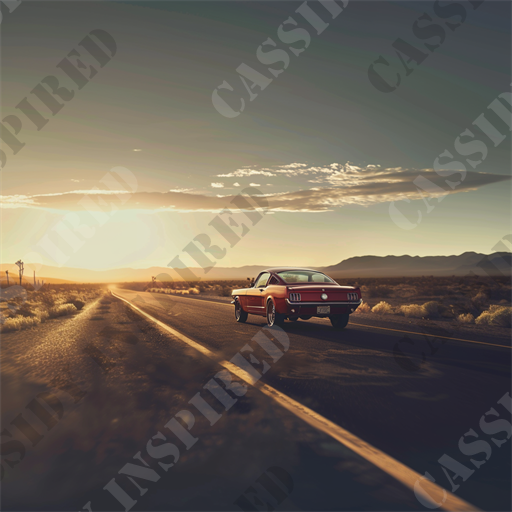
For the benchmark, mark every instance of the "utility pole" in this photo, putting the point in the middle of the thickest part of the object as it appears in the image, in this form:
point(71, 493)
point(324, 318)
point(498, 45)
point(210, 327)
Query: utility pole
point(7, 273)
point(34, 278)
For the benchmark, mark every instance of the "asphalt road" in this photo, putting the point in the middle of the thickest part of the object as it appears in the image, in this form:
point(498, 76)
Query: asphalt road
point(119, 379)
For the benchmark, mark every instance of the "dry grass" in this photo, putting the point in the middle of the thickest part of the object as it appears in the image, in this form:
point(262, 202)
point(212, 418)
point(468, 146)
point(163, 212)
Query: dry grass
point(383, 308)
point(62, 310)
point(363, 308)
point(480, 299)
point(170, 291)
point(209, 288)
point(378, 290)
point(467, 318)
point(496, 315)
point(427, 310)
point(479, 290)
point(412, 310)
point(22, 308)
point(20, 322)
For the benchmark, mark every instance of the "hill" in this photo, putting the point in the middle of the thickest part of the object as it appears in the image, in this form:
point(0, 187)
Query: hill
point(396, 266)
point(360, 266)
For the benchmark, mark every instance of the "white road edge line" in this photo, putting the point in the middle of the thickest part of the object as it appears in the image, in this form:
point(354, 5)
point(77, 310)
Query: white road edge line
point(405, 475)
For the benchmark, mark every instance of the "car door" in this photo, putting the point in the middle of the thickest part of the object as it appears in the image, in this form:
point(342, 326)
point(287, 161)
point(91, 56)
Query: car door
point(249, 298)
point(257, 297)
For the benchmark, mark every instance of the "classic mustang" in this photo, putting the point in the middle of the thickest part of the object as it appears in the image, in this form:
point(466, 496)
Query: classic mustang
point(281, 293)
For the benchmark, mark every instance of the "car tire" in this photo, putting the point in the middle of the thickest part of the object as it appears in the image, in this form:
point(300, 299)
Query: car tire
point(339, 321)
point(273, 317)
point(240, 314)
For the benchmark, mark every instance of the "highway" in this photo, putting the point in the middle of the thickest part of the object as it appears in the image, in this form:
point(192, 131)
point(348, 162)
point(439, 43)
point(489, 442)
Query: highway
point(135, 375)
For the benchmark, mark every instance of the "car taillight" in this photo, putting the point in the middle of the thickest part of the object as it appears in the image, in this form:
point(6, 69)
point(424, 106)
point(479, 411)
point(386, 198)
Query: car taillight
point(294, 297)
point(353, 296)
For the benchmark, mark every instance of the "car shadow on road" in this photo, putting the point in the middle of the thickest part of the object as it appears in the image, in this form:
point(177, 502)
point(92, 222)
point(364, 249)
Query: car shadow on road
point(417, 349)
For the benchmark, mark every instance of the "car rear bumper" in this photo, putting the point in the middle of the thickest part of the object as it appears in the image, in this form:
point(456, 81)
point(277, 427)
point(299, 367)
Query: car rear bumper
point(310, 308)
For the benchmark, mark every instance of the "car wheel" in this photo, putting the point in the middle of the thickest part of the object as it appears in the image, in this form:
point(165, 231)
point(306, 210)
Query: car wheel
point(240, 314)
point(273, 317)
point(339, 321)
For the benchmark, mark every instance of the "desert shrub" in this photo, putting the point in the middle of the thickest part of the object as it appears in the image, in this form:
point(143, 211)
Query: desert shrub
point(405, 290)
point(17, 300)
point(79, 304)
point(467, 318)
point(17, 323)
point(480, 299)
point(44, 304)
point(431, 309)
point(383, 308)
point(496, 315)
point(427, 310)
point(363, 308)
point(26, 310)
point(43, 315)
point(446, 311)
point(412, 310)
point(62, 310)
point(225, 292)
point(48, 299)
point(194, 291)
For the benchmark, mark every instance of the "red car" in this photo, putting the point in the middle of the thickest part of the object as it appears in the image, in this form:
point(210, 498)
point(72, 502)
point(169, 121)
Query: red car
point(281, 293)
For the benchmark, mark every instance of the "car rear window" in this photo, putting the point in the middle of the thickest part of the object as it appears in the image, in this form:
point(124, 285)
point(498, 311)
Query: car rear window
point(304, 276)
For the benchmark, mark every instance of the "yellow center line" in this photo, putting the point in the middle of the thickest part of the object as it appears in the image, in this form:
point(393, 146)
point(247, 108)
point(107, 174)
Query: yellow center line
point(434, 335)
point(374, 327)
point(408, 477)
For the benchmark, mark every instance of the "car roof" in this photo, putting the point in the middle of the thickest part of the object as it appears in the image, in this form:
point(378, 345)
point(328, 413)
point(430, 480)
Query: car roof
point(284, 269)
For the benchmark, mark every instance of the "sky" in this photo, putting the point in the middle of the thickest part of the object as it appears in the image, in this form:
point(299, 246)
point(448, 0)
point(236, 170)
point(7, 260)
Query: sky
point(134, 165)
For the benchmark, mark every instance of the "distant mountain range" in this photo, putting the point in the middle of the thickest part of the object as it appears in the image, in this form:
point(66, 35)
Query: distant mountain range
point(396, 266)
point(360, 266)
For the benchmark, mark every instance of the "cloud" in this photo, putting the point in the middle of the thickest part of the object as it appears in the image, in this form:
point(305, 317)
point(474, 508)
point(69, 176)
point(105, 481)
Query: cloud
point(57, 198)
point(241, 173)
point(255, 185)
point(292, 166)
point(17, 201)
point(365, 187)
point(344, 185)
point(236, 184)
point(149, 201)
point(217, 185)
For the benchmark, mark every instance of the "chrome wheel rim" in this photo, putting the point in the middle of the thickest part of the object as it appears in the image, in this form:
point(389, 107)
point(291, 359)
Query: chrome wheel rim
point(237, 310)
point(271, 314)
